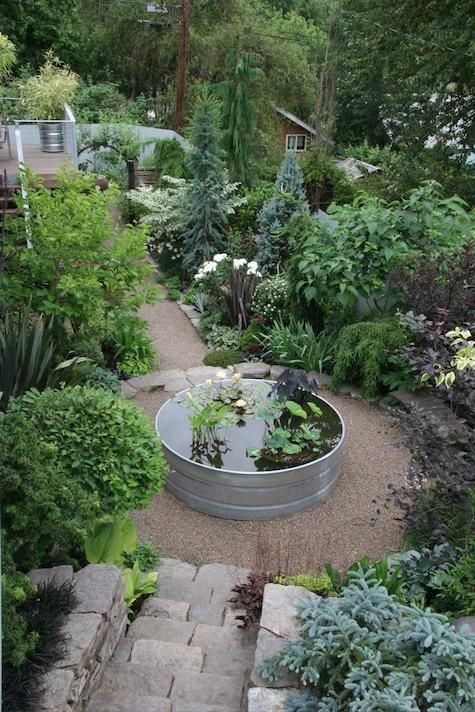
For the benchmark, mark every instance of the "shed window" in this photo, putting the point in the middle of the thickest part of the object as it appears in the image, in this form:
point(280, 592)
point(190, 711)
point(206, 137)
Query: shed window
point(296, 142)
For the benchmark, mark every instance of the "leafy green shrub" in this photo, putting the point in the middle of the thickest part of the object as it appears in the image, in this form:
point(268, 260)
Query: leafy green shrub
point(172, 285)
point(106, 444)
point(84, 274)
point(131, 344)
point(370, 652)
point(146, 555)
point(296, 344)
point(208, 320)
point(223, 358)
point(362, 352)
point(43, 507)
point(271, 300)
point(317, 584)
point(332, 268)
point(223, 338)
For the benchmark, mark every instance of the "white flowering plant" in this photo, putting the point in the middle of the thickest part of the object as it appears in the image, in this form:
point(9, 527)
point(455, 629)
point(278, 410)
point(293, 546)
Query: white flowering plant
point(271, 300)
point(232, 283)
point(165, 215)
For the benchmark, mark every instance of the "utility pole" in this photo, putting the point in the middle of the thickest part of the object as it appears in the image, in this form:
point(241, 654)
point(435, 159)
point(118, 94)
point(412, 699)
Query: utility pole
point(181, 71)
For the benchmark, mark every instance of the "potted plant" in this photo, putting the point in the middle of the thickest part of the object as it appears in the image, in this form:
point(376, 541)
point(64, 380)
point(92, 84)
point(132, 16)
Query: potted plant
point(44, 95)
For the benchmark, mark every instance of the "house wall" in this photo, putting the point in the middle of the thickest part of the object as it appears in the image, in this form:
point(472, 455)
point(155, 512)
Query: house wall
point(287, 127)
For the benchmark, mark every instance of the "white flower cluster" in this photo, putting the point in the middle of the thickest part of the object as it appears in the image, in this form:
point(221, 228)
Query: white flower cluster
point(252, 268)
point(205, 269)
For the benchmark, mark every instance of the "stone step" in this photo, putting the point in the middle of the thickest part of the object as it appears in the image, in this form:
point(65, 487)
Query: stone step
point(129, 679)
point(226, 637)
point(109, 702)
point(197, 707)
point(169, 631)
point(167, 655)
point(211, 689)
point(156, 607)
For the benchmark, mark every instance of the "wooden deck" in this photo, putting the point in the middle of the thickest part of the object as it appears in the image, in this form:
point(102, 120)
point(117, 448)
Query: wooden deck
point(43, 164)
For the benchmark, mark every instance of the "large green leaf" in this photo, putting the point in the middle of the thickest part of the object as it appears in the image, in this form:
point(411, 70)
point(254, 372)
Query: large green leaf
point(110, 539)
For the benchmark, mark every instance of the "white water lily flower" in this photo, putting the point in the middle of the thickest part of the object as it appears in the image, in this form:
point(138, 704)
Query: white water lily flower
point(239, 262)
point(189, 395)
point(237, 377)
point(209, 382)
point(241, 403)
point(219, 258)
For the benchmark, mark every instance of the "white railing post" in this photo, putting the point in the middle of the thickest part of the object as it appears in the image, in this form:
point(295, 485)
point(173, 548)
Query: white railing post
point(74, 144)
point(21, 175)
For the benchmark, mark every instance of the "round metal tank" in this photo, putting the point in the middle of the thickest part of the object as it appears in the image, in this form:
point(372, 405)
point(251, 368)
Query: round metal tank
point(52, 137)
point(249, 495)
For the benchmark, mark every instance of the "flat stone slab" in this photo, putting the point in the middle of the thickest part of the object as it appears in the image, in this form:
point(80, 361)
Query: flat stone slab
point(177, 569)
point(122, 650)
point(219, 690)
point(200, 374)
point(279, 609)
point(222, 578)
point(57, 574)
point(429, 405)
point(208, 636)
point(97, 585)
point(174, 655)
point(174, 385)
point(164, 608)
point(56, 685)
point(149, 382)
point(185, 590)
point(206, 613)
point(276, 372)
point(80, 631)
point(465, 625)
point(101, 702)
point(145, 628)
point(135, 680)
point(263, 699)
point(229, 660)
point(128, 391)
point(269, 644)
point(190, 311)
point(198, 707)
point(250, 369)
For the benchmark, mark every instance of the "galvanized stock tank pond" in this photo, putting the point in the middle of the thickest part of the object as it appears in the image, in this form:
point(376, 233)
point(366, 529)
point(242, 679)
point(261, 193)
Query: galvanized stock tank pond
point(226, 469)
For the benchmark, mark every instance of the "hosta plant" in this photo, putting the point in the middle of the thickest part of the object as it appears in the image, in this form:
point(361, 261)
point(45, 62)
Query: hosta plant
point(110, 540)
point(138, 584)
point(370, 652)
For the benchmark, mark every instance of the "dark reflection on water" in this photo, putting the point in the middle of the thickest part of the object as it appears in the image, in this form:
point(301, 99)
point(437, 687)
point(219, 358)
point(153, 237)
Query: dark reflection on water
point(225, 447)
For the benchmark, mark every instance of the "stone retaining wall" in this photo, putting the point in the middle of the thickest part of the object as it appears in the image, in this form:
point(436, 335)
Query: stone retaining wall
point(92, 631)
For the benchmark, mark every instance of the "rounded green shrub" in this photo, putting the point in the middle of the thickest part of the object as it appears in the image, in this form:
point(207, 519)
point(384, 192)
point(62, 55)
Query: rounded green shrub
point(42, 508)
point(251, 338)
point(103, 442)
point(223, 357)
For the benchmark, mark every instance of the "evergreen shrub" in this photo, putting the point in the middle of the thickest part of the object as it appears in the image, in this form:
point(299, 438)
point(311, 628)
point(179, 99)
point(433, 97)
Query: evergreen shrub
point(370, 652)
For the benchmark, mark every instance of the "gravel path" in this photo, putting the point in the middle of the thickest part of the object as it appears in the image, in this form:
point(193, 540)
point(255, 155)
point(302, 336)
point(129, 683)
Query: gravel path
point(339, 530)
point(173, 335)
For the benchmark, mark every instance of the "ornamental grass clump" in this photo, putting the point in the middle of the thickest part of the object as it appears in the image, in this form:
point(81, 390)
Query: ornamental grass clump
point(370, 652)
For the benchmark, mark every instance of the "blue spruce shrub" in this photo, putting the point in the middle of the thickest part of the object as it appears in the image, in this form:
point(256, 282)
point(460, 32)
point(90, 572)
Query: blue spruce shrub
point(371, 653)
point(289, 199)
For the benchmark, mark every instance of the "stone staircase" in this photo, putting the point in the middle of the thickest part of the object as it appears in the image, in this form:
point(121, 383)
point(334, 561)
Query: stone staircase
point(184, 652)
